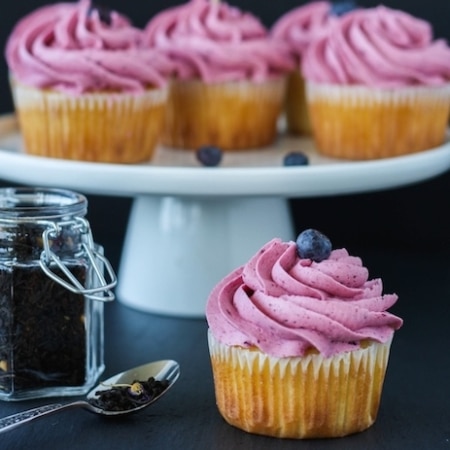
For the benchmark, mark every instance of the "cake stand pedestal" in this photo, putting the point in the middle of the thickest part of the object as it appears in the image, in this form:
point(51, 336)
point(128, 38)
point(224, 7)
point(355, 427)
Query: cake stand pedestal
point(191, 225)
point(177, 248)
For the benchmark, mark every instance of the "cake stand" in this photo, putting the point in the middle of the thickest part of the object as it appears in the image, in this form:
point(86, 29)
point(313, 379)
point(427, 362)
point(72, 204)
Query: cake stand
point(190, 225)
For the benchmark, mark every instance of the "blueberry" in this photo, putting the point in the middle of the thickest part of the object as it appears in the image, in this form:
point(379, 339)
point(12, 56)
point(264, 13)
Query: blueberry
point(314, 245)
point(209, 156)
point(104, 13)
point(295, 159)
point(341, 8)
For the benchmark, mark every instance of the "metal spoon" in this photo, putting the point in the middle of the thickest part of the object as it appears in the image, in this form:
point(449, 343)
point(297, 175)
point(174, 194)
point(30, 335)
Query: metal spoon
point(160, 370)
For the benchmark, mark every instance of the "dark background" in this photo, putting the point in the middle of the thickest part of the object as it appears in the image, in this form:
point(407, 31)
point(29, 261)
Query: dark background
point(401, 234)
point(403, 218)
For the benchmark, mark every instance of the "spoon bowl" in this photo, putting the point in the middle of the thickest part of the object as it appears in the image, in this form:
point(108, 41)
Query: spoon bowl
point(165, 371)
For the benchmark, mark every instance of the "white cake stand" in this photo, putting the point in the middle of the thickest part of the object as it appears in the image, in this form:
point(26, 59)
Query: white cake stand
point(190, 225)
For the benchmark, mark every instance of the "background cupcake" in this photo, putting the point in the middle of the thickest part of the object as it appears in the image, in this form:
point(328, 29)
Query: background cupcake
point(378, 85)
point(299, 341)
point(298, 27)
point(230, 76)
point(84, 87)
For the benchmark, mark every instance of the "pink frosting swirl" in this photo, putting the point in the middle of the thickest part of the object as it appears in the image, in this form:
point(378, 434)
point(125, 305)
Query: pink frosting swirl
point(285, 305)
point(217, 43)
point(378, 47)
point(299, 26)
point(70, 47)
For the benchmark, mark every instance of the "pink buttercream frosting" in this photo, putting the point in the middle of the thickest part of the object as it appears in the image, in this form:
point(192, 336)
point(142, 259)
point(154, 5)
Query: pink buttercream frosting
point(217, 42)
point(299, 26)
point(285, 305)
point(378, 47)
point(70, 47)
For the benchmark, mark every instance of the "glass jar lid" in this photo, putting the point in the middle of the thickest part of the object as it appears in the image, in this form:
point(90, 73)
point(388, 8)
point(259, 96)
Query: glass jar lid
point(20, 203)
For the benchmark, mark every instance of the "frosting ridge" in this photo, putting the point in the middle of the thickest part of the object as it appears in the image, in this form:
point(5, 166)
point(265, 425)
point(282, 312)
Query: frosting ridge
point(217, 43)
point(302, 24)
point(72, 47)
point(285, 305)
point(378, 47)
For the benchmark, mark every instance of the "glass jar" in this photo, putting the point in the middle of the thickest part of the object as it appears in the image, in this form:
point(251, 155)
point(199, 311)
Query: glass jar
point(52, 290)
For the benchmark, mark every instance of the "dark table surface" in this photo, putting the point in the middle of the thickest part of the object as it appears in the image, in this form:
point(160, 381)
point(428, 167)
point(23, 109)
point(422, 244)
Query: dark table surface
point(413, 260)
point(415, 407)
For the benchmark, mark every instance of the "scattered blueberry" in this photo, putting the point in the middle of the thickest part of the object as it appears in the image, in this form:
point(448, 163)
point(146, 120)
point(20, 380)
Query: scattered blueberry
point(341, 8)
point(295, 159)
point(314, 245)
point(209, 156)
point(104, 13)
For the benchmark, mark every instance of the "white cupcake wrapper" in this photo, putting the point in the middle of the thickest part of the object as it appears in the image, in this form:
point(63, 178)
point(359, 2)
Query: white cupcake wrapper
point(299, 397)
point(358, 122)
point(339, 363)
point(362, 95)
point(45, 100)
point(247, 117)
point(270, 89)
point(102, 127)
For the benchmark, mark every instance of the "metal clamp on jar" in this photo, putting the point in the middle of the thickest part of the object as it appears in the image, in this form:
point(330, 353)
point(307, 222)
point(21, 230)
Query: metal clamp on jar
point(52, 291)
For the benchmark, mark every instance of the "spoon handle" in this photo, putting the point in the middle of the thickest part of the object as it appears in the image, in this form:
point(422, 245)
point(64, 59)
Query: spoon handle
point(13, 421)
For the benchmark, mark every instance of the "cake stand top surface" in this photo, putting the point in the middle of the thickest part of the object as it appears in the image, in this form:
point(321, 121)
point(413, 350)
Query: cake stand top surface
point(246, 173)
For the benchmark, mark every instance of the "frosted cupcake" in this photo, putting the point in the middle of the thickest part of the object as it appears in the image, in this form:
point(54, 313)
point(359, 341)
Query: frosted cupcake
point(84, 87)
point(299, 339)
point(298, 27)
point(378, 85)
point(230, 77)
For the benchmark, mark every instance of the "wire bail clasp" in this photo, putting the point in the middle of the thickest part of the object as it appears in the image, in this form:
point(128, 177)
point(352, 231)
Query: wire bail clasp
point(103, 291)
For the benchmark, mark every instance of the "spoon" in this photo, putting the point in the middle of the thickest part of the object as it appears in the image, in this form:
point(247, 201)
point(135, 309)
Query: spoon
point(168, 370)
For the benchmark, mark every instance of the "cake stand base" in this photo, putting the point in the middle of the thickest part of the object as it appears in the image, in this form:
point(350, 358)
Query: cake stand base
point(177, 248)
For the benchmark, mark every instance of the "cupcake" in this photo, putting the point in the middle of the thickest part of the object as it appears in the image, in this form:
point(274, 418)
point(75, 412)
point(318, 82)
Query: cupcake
point(298, 27)
point(378, 85)
point(299, 339)
point(84, 86)
point(230, 76)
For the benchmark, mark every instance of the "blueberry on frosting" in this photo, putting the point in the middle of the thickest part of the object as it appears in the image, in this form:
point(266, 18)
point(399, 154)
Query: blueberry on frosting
point(312, 244)
point(104, 13)
point(342, 7)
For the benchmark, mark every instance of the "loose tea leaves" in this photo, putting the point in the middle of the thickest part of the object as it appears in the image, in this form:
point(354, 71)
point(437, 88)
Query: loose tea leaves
point(51, 325)
point(122, 397)
point(42, 330)
point(42, 324)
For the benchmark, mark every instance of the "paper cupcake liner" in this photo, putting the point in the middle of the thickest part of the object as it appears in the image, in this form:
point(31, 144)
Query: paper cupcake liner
point(357, 122)
point(233, 116)
point(301, 397)
point(296, 107)
point(100, 127)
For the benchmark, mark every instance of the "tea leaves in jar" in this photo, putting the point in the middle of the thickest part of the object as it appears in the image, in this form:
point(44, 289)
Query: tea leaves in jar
point(42, 324)
point(42, 331)
point(51, 295)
